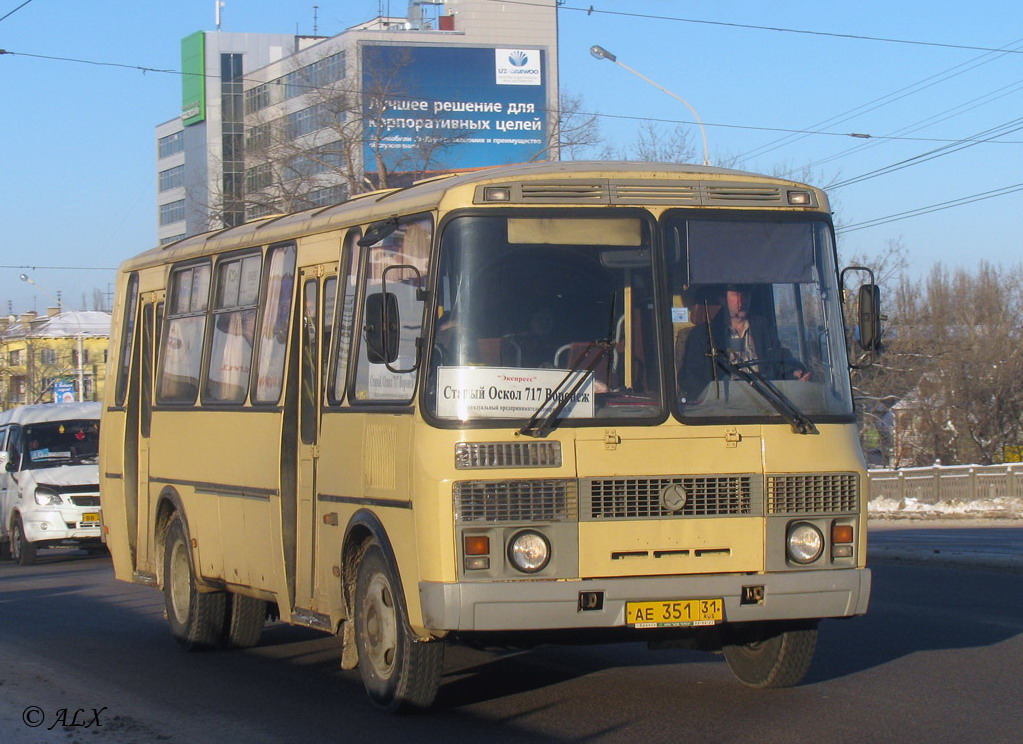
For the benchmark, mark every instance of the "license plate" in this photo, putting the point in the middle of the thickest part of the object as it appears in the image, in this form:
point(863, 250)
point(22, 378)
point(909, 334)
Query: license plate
point(674, 613)
point(90, 519)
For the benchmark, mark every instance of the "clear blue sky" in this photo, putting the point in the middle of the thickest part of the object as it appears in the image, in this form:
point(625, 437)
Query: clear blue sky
point(77, 151)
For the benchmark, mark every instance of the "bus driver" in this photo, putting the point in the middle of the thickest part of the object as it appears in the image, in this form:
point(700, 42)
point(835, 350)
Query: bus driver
point(740, 335)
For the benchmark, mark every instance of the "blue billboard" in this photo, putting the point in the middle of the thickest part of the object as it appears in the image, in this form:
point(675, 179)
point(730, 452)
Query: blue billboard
point(429, 109)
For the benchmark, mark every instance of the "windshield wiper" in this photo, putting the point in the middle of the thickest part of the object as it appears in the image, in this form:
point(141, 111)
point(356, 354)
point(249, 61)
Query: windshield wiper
point(545, 427)
point(796, 418)
point(604, 346)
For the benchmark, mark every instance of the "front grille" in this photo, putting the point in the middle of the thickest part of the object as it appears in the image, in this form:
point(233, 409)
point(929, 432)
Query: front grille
point(84, 500)
point(813, 493)
point(475, 455)
point(552, 500)
point(641, 498)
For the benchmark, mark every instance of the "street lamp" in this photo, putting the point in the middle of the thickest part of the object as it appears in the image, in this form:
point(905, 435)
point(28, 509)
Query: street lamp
point(81, 332)
point(601, 53)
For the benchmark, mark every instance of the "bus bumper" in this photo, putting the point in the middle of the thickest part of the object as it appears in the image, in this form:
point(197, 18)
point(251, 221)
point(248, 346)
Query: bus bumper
point(548, 605)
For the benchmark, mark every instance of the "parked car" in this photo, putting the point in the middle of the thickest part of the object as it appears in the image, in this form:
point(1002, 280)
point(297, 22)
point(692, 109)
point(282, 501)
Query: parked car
point(49, 479)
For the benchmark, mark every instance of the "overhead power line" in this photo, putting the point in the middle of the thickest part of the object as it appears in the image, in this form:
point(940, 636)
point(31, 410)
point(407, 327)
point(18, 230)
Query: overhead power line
point(940, 206)
point(12, 12)
point(782, 130)
point(975, 139)
point(591, 10)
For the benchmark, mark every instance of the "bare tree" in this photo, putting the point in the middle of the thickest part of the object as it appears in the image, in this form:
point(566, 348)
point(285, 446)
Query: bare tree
point(949, 375)
point(654, 144)
point(571, 132)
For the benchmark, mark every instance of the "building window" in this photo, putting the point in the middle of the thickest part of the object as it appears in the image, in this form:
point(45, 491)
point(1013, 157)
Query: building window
point(258, 137)
point(329, 195)
point(172, 144)
point(258, 178)
point(48, 356)
point(315, 75)
point(16, 358)
point(172, 178)
point(257, 99)
point(172, 212)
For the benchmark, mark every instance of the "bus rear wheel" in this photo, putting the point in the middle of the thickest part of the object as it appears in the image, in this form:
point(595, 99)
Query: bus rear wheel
point(243, 621)
point(766, 655)
point(196, 618)
point(23, 550)
point(399, 672)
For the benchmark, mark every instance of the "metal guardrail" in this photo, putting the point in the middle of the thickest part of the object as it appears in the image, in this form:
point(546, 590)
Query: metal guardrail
point(949, 483)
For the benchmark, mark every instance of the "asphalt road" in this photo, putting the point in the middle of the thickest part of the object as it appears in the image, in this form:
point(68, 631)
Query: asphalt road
point(936, 659)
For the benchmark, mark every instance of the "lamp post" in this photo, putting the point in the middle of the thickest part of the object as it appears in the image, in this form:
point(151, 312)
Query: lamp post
point(601, 53)
point(81, 369)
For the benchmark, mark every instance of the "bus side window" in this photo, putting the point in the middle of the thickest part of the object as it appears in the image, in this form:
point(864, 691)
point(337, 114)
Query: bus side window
point(273, 332)
point(127, 335)
point(408, 245)
point(347, 295)
point(234, 329)
point(181, 346)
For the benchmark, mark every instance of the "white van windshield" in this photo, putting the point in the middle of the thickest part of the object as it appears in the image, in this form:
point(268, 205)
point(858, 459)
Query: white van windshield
point(52, 443)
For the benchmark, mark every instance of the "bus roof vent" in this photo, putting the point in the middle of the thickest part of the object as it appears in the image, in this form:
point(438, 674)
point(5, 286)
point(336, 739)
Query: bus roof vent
point(737, 193)
point(654, 192)
point(565, 191)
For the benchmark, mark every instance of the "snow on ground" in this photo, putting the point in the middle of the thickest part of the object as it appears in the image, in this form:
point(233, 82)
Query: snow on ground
point(1007, 507)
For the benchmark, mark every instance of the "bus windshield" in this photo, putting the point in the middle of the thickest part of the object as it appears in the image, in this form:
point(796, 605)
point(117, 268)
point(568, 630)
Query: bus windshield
point(523, 299)
point(756, 320)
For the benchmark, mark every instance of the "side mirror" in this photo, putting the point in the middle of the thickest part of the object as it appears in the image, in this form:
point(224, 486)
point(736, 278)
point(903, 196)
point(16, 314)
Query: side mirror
point(870, 317)
point(381, 328)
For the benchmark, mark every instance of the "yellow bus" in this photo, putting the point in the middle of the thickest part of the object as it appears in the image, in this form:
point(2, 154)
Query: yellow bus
point(590, 401)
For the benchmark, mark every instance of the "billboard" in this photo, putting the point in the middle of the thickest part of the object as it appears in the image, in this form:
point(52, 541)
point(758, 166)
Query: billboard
point(429, 108)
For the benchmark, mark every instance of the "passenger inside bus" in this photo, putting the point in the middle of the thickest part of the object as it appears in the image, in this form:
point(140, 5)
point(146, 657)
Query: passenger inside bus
point(746, 339)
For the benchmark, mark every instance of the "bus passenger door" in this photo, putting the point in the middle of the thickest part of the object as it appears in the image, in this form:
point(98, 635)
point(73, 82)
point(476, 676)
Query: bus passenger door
point(318, 288)
point(145, 551)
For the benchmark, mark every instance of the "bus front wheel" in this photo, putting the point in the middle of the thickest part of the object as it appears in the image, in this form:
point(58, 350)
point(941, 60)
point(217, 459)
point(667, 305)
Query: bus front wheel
point(196, 618)
point(765, 655)
point(399, 671)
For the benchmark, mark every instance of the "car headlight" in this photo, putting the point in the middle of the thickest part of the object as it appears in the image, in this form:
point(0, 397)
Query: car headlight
point(529, 551)
point(805, 543)
point(46, 497)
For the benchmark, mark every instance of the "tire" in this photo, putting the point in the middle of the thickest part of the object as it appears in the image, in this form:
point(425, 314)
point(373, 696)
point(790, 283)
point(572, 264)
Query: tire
point(196, 618)
point(22, 549)
point(769, 655)
point(400, 673)
point(5, 550)
point(243, 621)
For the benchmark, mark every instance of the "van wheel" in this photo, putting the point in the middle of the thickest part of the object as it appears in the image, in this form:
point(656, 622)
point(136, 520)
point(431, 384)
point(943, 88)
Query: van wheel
point(196, 618)
point(767, 655)
point(398, 671)
point(22, 549)
point(243, 621)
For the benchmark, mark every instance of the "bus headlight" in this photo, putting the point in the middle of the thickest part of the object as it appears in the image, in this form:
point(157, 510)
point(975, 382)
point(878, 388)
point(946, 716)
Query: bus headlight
point(804, 543)
point(46, 497)
point(529, 551)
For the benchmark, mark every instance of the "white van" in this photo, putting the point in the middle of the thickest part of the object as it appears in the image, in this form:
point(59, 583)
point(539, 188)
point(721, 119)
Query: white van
point(49, 479)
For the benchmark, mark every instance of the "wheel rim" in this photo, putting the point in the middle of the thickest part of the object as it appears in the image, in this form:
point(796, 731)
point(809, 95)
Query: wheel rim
point(178, 581)
point(380, 626)
point(16, 541)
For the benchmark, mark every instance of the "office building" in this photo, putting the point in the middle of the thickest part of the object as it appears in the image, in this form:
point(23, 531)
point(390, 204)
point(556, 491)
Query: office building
point(275, 123)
